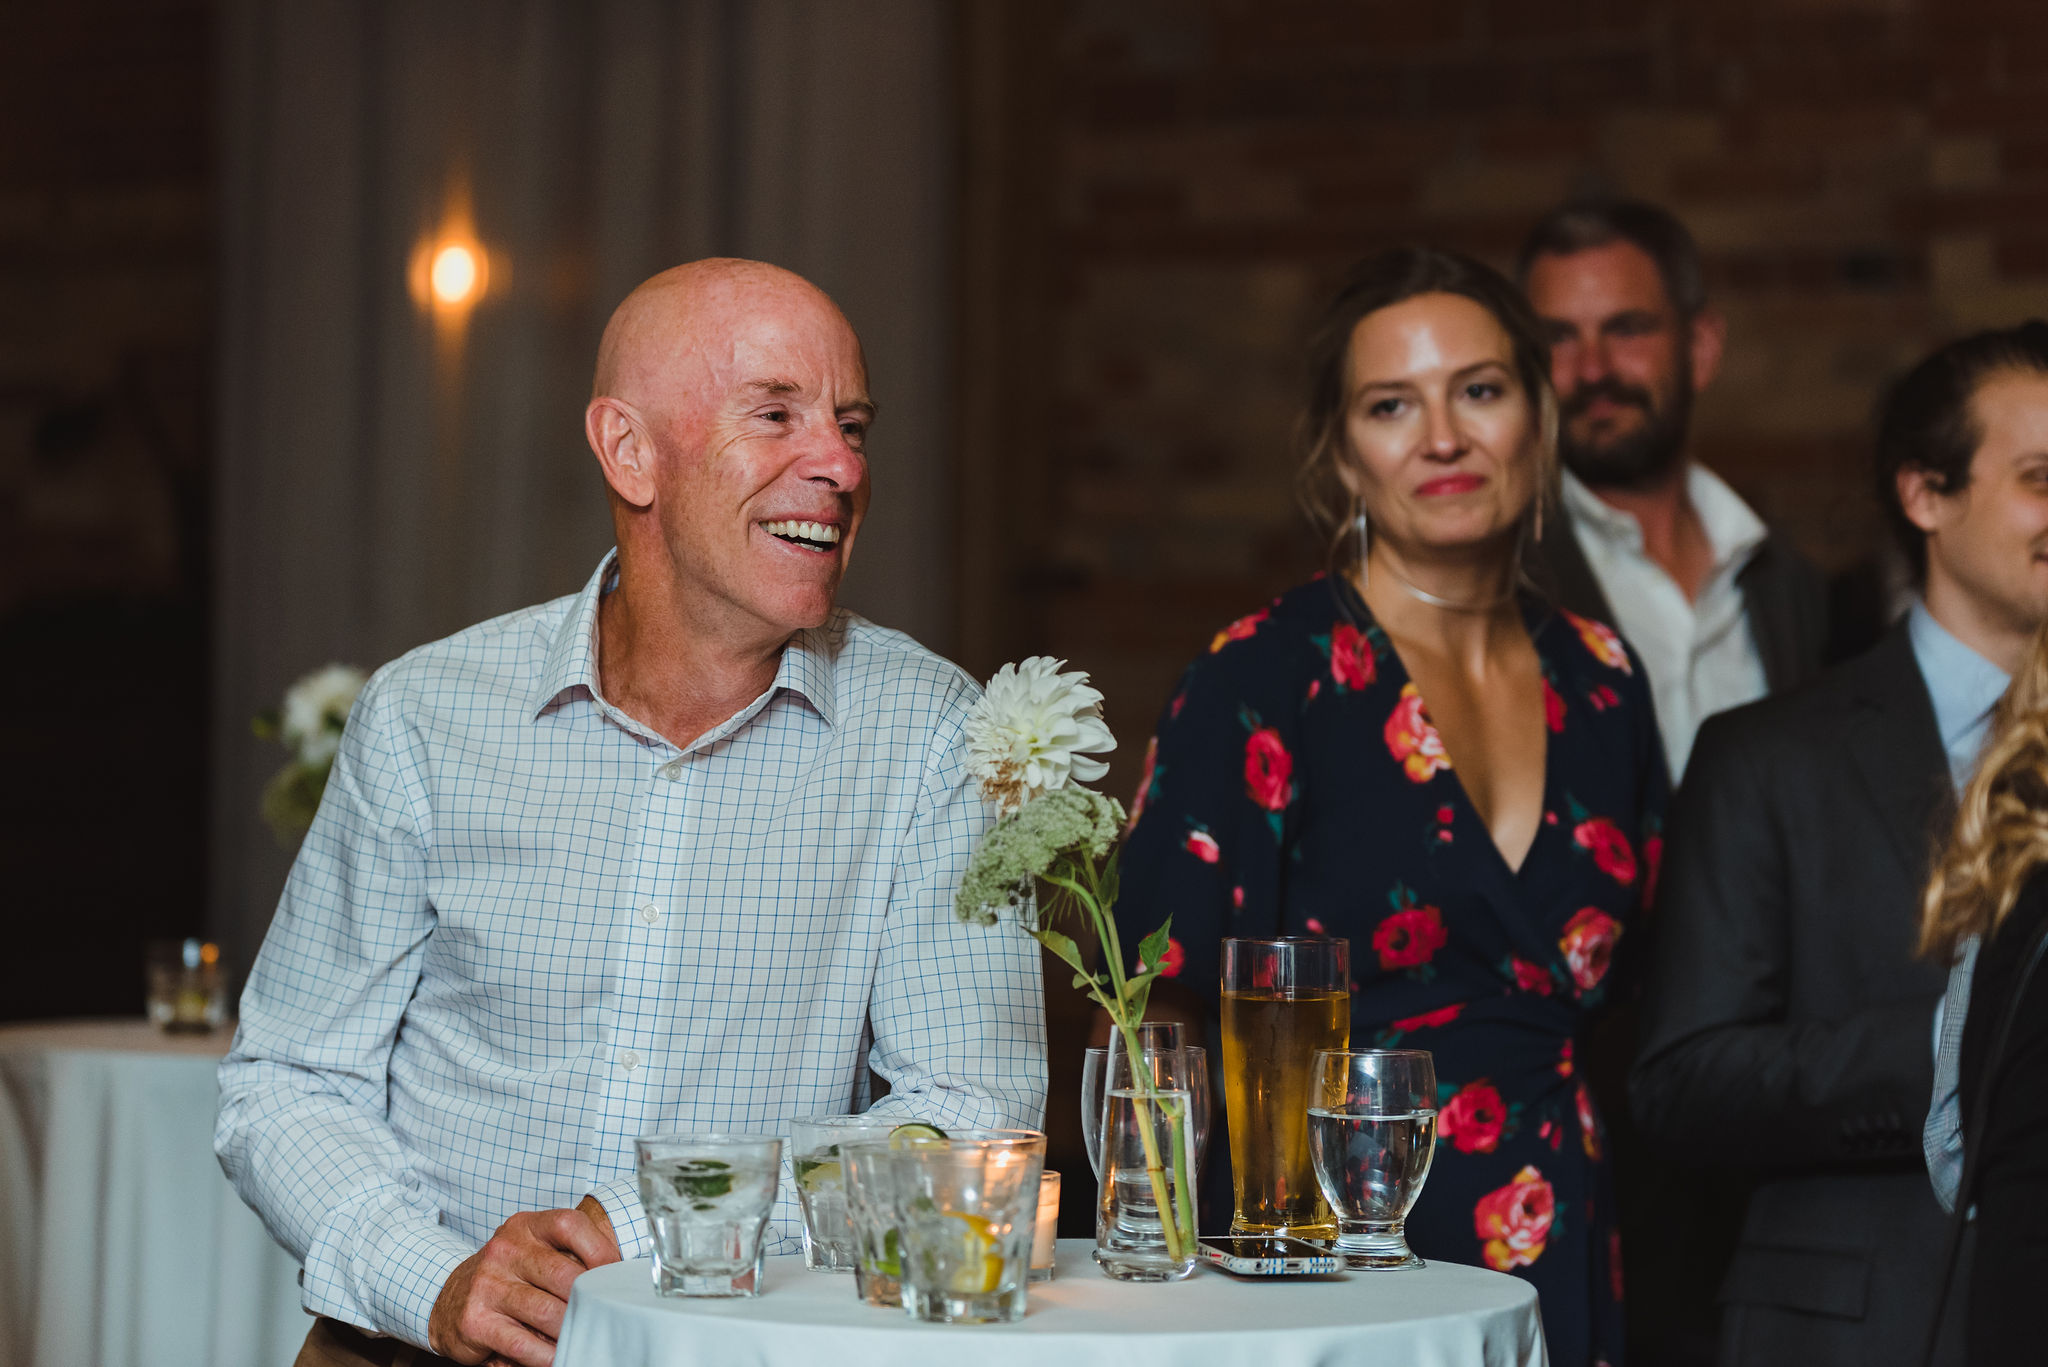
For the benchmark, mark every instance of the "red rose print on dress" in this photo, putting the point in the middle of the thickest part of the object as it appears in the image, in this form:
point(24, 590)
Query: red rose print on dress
point(1412, 738)
point(1410, 937)
point(1601, 640)
point(1428, 1020)
point(1474, 1118)
point(1243, 629)
point(1268, 770)
point(1553, 707)
point(1530, 977)
point(1589, 1124)
point(1513, 1222)
point(1564, 1060)
point(1171, 959)
point(1352, 662)
point(1611, 852)
point(1588, 946)
point(1148, 781)
point(1203, 846)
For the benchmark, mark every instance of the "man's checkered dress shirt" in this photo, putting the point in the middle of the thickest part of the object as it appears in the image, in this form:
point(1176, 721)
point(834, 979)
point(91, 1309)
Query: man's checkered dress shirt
point(525, 929)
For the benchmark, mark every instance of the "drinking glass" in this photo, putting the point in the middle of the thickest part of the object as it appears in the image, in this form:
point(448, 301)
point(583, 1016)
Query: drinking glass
point(1283, 1001)
point(965, 1213)
point(1372, 1132)
point(187, 986)
point(707, 1198)
point(1095, 1062)
point(821, 1183)
point(1147, 1147)
point(871, 1205)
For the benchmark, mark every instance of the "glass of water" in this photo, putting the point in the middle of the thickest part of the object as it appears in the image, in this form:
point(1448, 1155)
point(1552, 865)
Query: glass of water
point(821, 1183)
point(964, 1211)
point(1371, 1135)
point(707, 1198)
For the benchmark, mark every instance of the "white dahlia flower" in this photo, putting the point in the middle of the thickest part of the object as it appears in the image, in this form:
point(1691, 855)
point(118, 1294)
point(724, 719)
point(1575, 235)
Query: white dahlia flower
point(1034, 731)
point(315, 709)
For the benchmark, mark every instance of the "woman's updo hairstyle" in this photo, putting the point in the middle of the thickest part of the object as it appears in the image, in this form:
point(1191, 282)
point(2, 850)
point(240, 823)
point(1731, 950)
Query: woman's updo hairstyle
point(1381, 280)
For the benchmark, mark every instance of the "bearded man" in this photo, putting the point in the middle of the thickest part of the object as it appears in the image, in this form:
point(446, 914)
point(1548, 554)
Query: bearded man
point(1720, 609)
point(676, 852)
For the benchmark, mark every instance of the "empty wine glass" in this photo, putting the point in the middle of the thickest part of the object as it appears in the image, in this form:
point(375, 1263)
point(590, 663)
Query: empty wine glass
point(1372, 1133)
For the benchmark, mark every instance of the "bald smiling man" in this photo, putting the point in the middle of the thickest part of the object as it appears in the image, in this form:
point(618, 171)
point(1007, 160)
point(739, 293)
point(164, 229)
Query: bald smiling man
point(675, 853)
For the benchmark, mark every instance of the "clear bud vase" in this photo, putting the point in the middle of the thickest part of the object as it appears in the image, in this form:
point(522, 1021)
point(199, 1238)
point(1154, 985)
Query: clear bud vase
point(1144, 1214)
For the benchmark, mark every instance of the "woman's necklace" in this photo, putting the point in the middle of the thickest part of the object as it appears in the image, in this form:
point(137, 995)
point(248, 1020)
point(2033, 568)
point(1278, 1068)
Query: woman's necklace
point(1423, 595)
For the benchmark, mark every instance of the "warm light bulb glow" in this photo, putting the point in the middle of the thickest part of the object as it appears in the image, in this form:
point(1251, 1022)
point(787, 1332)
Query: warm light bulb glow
point(454, 274)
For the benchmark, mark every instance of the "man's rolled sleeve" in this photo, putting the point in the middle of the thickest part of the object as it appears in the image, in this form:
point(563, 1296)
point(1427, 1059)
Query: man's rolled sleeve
point(957, 1011)
point(620, 1197)
point(303, 1131)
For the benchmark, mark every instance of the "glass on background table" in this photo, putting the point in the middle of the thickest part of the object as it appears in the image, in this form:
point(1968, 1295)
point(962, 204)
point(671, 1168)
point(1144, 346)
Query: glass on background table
point(1440, 1316)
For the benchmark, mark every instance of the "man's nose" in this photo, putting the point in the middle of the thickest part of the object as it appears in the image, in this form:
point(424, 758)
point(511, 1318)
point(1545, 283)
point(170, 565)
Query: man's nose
point(1593, 362)
point(833, 460)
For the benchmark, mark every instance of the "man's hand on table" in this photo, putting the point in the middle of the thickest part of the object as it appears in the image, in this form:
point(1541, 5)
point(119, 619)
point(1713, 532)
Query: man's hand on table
point(505, 1304)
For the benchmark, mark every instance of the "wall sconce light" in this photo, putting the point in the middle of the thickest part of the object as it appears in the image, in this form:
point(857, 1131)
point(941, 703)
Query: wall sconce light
point(449, 273)
point(456, 274)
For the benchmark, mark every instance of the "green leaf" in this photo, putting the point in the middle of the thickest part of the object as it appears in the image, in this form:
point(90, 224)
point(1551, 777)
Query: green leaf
point(1112, 879)
point(1152, 947)
point(1083, 981)
point(1063, 946)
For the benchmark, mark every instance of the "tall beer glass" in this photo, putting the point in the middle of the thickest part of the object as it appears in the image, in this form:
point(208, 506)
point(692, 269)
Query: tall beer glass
point(1283, 1002)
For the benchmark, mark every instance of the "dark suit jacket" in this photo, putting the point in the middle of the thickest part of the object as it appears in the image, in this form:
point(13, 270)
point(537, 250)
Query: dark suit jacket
point(1783, 596)
point(1787, 1023)
point(2011, 1258)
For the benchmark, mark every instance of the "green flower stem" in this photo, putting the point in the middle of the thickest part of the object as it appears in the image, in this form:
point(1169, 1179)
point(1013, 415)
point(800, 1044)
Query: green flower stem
point(1083, 882)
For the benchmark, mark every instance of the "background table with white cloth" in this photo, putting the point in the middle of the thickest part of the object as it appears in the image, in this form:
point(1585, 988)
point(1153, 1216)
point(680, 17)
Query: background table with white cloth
point(1439, 1316)
point(121, 1243)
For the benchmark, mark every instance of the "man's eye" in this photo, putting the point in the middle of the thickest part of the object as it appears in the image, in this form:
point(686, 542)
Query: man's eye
point(777, 415)
point(853, 432)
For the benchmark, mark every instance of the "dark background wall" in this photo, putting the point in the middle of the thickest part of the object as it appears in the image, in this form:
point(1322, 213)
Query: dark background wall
point(1167, 190)
point(106, 324)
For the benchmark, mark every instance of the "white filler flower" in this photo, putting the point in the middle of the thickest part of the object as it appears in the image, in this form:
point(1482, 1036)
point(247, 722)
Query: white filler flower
point(315, 708)
point(1034, 731)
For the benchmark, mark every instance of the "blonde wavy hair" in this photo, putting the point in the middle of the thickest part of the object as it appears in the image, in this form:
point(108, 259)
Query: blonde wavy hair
point(2001, 829)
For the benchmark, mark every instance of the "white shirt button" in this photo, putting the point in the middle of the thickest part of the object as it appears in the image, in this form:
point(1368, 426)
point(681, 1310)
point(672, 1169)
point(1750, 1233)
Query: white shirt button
point(649, 914)
point(672, 770)
point(629, 1060)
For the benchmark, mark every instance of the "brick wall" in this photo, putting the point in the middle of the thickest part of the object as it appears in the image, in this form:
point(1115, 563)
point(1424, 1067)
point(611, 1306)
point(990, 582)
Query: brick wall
point(1865, 177)
point(105, 372)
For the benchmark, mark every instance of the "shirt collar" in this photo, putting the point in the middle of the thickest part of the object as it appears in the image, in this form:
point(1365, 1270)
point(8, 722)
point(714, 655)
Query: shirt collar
point(805, 668)
point(1963, 685)
point(1733, 529)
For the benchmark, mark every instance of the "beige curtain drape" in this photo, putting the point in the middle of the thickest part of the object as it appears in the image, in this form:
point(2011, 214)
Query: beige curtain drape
point(386, 476)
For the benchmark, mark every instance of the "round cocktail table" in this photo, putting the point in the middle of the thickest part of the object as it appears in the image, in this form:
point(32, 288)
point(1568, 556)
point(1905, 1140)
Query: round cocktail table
point(1439, 1316)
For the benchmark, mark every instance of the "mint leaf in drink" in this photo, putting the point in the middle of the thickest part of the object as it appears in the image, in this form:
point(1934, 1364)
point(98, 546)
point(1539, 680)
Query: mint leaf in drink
point(701, 1179)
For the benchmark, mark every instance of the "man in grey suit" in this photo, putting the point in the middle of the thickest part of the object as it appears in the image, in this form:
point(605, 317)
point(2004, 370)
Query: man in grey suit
point(1787, 1024)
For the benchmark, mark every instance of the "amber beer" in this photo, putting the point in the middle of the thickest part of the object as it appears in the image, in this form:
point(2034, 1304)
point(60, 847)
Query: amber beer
point(1283, 1000)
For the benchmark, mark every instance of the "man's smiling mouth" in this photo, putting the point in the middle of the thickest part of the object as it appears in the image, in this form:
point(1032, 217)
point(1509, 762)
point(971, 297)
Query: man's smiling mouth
point(812, 536)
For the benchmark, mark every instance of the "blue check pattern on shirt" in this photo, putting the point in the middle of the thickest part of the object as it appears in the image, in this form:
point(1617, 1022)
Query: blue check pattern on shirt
point(525, 929)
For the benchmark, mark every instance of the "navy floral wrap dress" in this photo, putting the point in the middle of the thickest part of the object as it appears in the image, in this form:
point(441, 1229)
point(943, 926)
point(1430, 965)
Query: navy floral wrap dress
point(1296, 786)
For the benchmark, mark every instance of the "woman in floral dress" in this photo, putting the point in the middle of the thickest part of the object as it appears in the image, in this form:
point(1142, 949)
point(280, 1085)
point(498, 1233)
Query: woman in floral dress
point(1419, 754)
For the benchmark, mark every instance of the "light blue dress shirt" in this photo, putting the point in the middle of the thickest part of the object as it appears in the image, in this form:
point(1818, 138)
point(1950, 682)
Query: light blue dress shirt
point(1965, 688)
point(525, 929)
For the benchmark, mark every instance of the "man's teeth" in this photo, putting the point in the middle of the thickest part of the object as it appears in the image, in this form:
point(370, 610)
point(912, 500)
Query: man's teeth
point(823, 533)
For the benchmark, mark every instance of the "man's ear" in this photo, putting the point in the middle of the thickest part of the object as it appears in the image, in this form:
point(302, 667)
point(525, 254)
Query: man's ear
point(1708, 335)
point(624, 448)
point(1922, 502)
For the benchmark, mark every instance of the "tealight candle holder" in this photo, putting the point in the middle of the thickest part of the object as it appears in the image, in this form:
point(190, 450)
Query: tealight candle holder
point(1045, 1238)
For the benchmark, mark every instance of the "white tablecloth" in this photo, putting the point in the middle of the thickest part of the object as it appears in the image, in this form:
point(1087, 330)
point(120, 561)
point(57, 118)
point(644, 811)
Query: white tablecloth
point(121, 1244)
point(1439, 1316)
